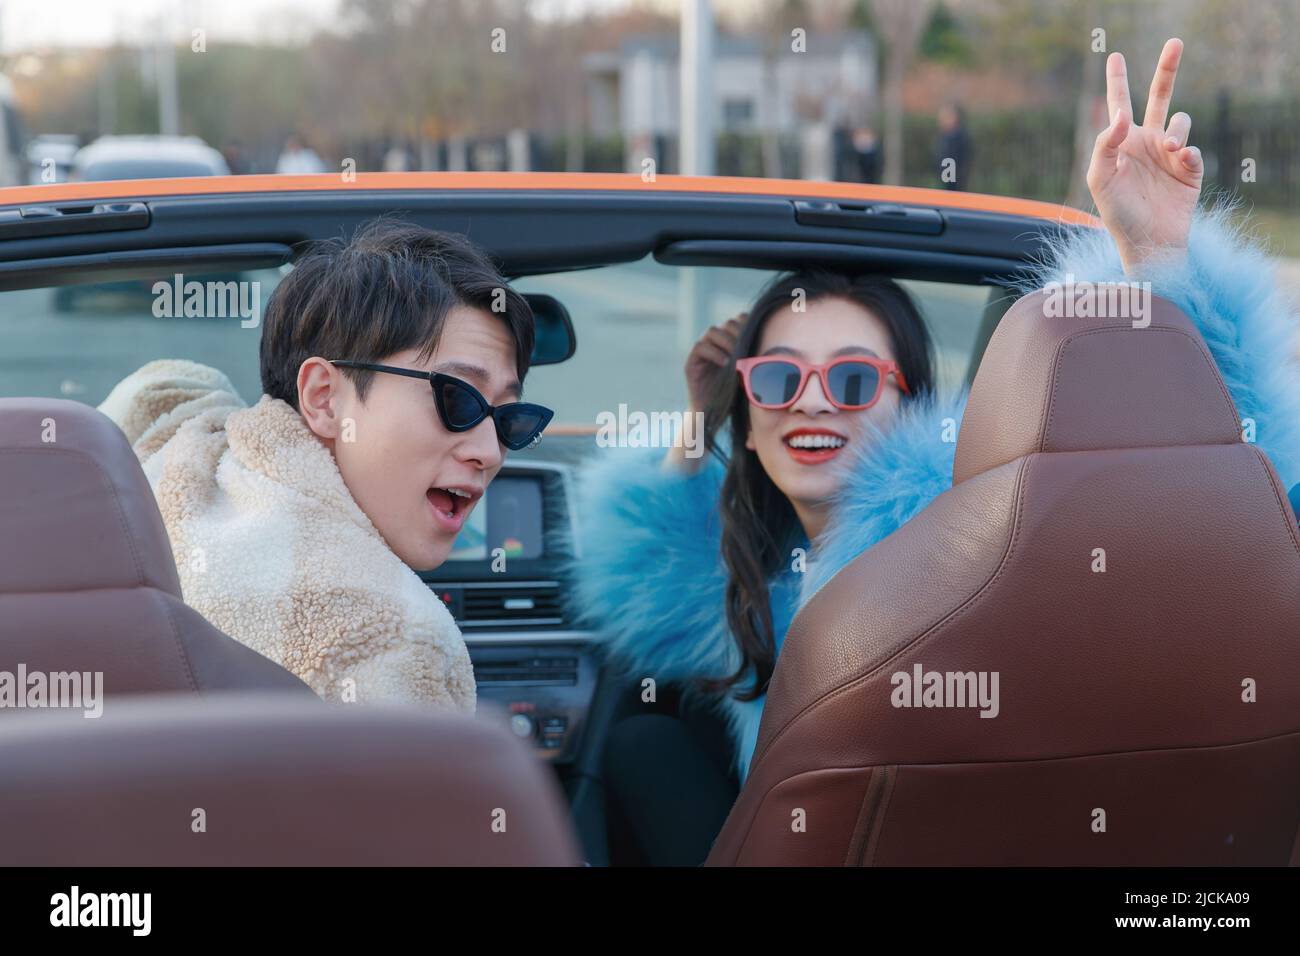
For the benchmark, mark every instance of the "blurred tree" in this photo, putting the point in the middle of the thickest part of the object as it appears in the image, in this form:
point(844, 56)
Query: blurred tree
point(241, 92)
point(1055, 40)
point(943, 40)
point(1255, 53)
point(777, 20)
point(860, 18)
point(899, 23)
point(462, 63)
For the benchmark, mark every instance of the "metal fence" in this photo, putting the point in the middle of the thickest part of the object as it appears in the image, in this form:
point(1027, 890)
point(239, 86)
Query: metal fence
point(1251, 149)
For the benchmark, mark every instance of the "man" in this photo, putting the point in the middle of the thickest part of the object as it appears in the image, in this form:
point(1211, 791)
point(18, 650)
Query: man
point(296, 523)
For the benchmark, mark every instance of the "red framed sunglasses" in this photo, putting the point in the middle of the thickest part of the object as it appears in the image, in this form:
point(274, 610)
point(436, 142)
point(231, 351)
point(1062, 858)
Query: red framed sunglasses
point(852, 382)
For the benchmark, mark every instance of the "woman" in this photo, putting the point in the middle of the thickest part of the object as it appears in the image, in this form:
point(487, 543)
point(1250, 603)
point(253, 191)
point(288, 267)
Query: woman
point(825, 439)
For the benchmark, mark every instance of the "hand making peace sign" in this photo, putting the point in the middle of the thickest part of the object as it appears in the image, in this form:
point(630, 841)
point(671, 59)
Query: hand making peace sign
point(1145, 179)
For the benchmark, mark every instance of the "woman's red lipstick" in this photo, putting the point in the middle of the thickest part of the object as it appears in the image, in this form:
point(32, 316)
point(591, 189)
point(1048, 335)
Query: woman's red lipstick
point(812, 446)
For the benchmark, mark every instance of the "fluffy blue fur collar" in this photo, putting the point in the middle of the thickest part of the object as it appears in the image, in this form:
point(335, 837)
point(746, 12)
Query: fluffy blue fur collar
point(887, 481)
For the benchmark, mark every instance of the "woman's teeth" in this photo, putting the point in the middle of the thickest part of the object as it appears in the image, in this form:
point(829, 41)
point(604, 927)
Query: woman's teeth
point(815, 441)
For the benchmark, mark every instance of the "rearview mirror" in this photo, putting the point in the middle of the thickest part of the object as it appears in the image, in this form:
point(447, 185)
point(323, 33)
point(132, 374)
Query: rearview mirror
point(553, 338)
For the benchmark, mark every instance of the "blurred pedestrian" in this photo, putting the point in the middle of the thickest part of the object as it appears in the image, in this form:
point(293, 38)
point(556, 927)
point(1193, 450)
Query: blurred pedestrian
point(298, 159)
point(398, 158)
point(236, 157)
point(954, 150)
point(866, 155)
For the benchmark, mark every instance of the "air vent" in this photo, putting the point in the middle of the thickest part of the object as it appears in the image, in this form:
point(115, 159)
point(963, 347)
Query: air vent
point(527, 604)
point(533, 669)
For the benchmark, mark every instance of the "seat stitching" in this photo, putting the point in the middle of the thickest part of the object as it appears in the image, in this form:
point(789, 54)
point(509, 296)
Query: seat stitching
point(1250, 741)
point(844, 688)
point(180, 644)
point(868, 853)
point(1271, 476)
point(1011, 760)
point(1021, 479)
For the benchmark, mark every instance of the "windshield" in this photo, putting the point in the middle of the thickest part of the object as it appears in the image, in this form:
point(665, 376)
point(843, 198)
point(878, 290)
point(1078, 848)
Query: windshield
point(635, 323)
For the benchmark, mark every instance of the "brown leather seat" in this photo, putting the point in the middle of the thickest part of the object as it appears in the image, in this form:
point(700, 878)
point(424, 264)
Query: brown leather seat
point(270, 780)
point(1147, 713)
point(87, 579)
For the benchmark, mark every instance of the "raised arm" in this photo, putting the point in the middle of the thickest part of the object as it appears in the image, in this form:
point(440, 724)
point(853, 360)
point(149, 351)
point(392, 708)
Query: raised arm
point(1145, 179)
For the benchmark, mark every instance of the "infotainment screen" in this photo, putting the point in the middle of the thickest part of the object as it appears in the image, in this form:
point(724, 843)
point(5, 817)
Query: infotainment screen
point(509, 516)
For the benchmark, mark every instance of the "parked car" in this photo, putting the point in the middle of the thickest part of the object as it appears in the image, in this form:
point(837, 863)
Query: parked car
point(138, 157)
point(147, 157)
point(51, 153)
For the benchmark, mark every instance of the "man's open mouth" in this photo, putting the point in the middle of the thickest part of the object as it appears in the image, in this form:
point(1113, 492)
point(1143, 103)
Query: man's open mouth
point(451, 503)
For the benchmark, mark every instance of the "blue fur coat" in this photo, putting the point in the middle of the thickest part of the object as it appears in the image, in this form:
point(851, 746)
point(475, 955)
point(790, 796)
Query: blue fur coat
point(651, 575)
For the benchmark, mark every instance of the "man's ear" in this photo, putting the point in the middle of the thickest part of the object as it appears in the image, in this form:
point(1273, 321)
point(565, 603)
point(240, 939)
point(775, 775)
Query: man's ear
point(320, 386)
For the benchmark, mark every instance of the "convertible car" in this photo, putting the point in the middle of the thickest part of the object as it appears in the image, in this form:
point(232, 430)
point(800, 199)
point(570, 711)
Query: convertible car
point(623, 275)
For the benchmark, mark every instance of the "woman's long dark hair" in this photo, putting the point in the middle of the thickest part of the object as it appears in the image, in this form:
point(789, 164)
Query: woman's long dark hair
point(759, 525)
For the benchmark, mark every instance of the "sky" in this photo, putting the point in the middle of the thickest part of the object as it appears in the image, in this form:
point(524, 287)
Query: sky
point(29, 24)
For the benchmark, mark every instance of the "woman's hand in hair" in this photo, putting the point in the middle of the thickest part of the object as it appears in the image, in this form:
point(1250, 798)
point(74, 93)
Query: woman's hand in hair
point(711, 353)
point(1145, 179)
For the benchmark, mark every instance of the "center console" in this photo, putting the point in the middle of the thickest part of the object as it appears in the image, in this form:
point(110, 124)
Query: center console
point(502, 584)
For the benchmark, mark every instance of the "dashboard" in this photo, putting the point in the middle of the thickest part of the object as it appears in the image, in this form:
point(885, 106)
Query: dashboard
point(503, 585)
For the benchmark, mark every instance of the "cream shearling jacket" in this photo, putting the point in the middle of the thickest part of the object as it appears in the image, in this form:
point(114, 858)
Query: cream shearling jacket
point(273, 550)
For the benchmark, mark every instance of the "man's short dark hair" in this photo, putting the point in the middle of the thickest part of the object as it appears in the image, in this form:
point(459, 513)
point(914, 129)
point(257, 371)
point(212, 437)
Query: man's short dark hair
point(386, 290)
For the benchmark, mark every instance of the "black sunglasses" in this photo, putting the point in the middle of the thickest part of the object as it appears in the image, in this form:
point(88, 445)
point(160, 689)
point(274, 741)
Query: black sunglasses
point(461, 406)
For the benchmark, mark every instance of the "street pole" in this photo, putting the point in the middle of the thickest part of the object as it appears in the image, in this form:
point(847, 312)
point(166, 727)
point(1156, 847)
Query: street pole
point(695, 150)
point(169, 109)
point(695, 154)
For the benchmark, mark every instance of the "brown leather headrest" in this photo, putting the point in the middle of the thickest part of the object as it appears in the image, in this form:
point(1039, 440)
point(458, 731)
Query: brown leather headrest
point(76, 511)
point(267, 780)
point(1048, 383)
